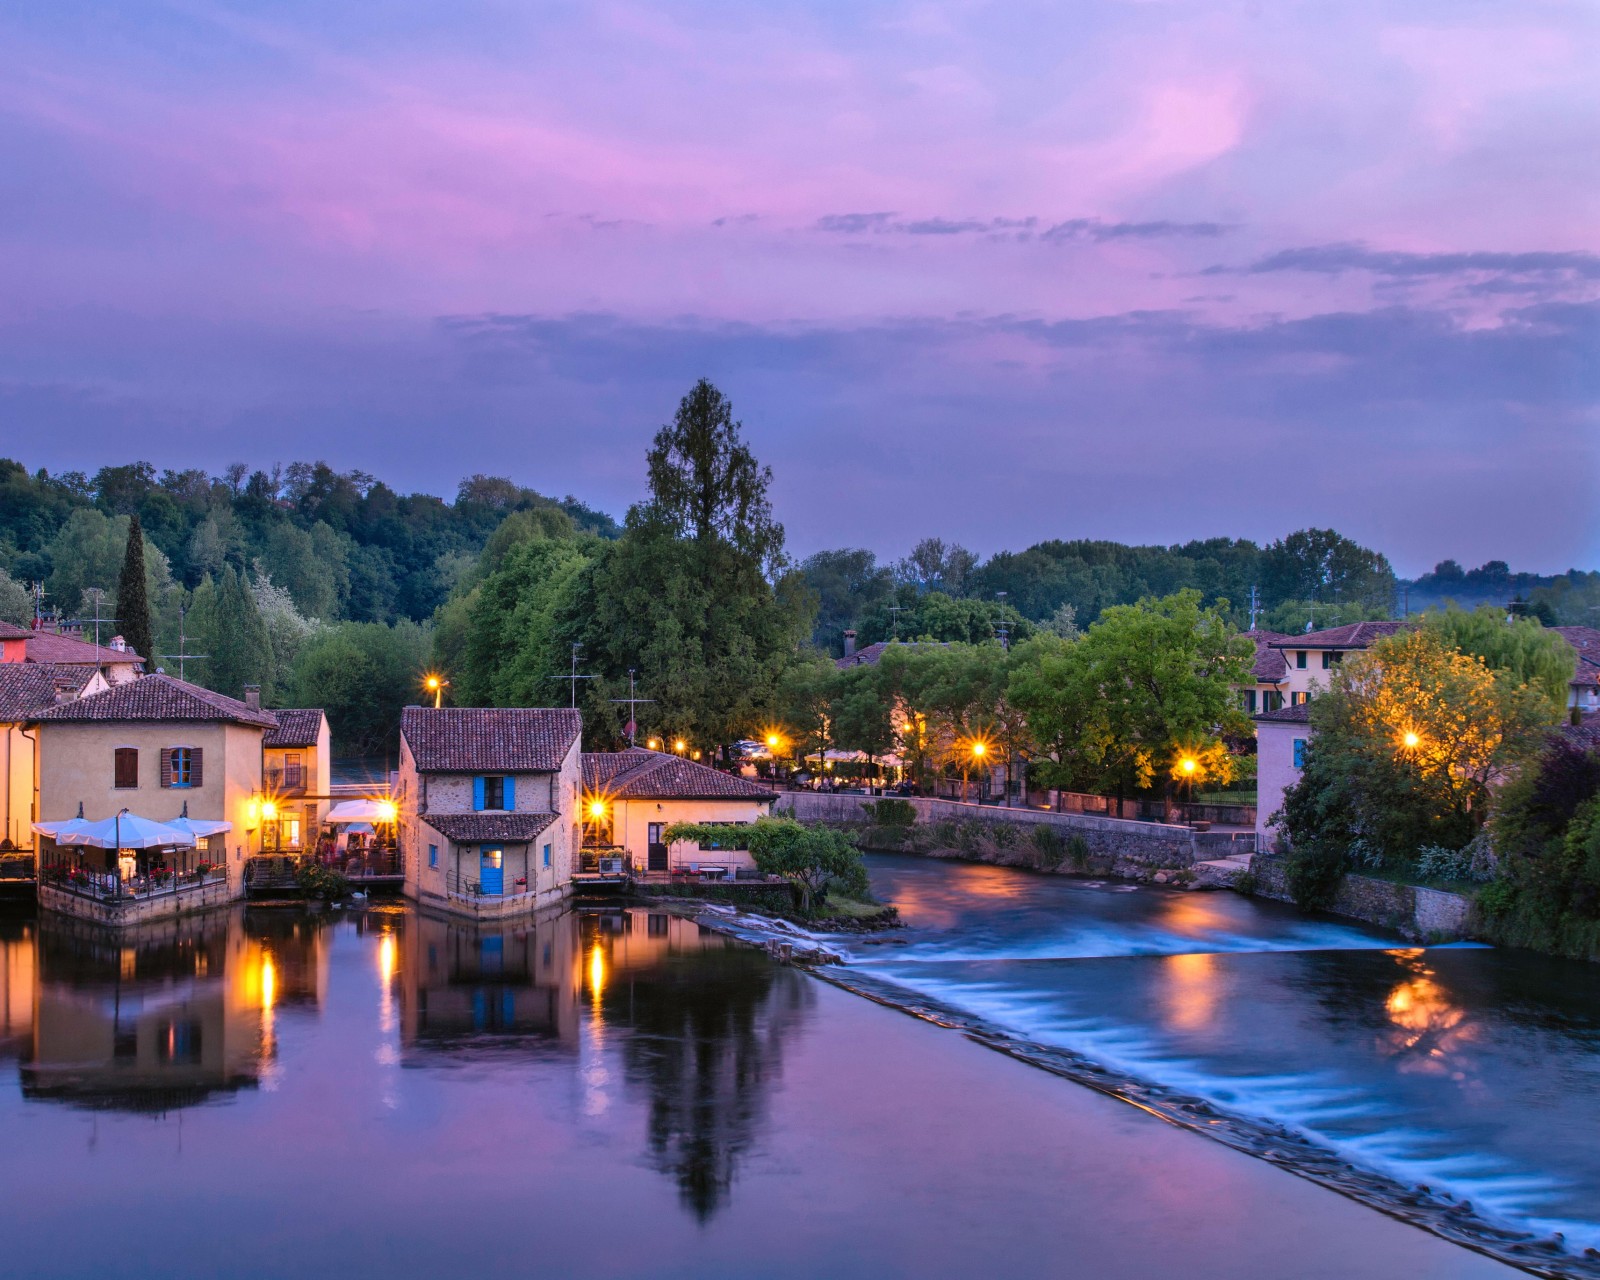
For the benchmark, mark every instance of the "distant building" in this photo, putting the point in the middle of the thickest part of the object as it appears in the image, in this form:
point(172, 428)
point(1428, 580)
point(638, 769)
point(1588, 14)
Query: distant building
point(1281, 738)
point(296, 766)
point(631, 797)
point(26, 690)
point(1311, 658)
point(1585, 688)
point(114, 660)
point(873, 653)
point(488, 798)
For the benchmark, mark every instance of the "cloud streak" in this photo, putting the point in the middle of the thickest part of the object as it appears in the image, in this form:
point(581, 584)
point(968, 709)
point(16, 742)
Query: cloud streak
point(1094, 230)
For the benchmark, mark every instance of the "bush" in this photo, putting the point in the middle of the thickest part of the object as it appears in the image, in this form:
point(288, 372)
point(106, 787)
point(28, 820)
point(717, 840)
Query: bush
point(890, 812)
point(320, 882)
point(1316, 869)
point(1435, 862)
point(1049, 849)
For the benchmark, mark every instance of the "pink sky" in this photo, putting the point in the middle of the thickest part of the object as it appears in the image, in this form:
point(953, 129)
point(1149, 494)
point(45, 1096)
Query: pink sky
point(1137, 270)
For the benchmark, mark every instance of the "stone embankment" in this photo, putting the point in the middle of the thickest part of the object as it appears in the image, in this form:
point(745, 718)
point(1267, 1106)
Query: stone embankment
point(1039, 839)
point(1426, 915)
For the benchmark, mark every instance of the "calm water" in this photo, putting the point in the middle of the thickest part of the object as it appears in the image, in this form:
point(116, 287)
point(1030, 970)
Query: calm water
point(620, 1093)
point(1471, 1070)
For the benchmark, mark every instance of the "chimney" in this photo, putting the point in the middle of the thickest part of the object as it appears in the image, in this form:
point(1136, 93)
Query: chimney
point(849, 644)
point(119, 644)
point(252, 696)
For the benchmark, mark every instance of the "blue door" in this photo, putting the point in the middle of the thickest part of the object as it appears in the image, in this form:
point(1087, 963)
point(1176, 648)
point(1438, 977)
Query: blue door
point(491, 874)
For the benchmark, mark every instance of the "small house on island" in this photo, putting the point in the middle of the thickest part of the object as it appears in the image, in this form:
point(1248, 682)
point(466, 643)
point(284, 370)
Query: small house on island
point(631, 797)
point(296, 765)
point(487, 798)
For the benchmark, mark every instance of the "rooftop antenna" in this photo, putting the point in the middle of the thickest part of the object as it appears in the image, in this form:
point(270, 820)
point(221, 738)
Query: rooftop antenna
point(1255, 607)
point(574, 677)
point(1003, 630)
point(895, 610)
point(98, 595)
point(633, 719)
point(38, 606)
point(182, 656)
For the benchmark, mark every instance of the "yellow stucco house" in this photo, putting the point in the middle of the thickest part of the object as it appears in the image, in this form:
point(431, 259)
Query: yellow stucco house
point(296, 765)
point(26, 690)
point(631, 798)
point(159, 748)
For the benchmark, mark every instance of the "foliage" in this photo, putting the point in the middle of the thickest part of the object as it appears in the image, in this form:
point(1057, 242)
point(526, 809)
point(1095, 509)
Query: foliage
point(323, 883)
point(1294, 616)
point(287, 630)
point(361, 674)
point(1320, 564)
point(844, 583)
point(810, 858)
point(227, 626)
point(1522, 648)
point(890, 812)
point(1406, 741)
point(517, 641)
point(16, 605)
point(133, 601)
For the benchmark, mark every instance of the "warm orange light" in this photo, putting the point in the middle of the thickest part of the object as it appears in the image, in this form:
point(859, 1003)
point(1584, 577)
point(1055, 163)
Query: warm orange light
point(654, 744)
point(386, 958)
point(1188, 764)
point(978, 748)
point(772, 741)
point(269, 810)
point(679, 745)
point(597, 809)
point(269, 983)
point(597, 972)
point(1411, 740)
point(432, 682)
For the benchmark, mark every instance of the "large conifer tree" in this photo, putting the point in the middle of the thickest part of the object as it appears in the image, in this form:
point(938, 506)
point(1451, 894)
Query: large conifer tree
point(133, 599)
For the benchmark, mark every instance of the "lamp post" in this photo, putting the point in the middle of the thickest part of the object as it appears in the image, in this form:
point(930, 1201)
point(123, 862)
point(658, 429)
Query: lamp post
point(435, 684)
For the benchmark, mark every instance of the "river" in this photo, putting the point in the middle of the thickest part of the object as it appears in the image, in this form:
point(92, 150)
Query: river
point(619, 1092)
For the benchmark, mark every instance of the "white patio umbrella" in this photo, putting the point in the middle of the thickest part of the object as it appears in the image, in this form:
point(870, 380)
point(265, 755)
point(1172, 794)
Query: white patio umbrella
point(361, 811)
point(128, 831)
point(199, 828)
point(55, 830)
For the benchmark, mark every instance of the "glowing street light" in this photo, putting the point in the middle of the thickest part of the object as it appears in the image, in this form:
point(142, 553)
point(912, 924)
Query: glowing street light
point(597, 809)
point(388, 811)
point(1411, 740)
point(654, 744)
point(1188, 764)
point(679, 746)
point(436, 685)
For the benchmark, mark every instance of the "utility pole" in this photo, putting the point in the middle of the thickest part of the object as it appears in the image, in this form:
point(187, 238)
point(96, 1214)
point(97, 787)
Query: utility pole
point(1003, 630)
point(895, 610)
point(181, 656)
point(574, 677)
point(633, 702)
point(38, 605)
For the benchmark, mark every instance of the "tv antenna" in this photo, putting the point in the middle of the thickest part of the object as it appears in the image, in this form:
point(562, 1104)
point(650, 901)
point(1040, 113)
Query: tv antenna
point(633, 702)
point(574, 677)
point(182, 655)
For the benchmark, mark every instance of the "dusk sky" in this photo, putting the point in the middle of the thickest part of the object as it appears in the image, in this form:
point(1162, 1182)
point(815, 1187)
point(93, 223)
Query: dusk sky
point(997, 272)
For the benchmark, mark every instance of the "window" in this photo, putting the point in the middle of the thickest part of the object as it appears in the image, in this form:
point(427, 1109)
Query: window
point(1299, 753)
point(293, 770)
point(544, 856)
point(1271, 700)
point(433, 855)
point(1250, 701)
point(125, 767)
point(1300, 659)
point(1296, 699)
point(493, 791)
point(180, 766)
point(1327, 659)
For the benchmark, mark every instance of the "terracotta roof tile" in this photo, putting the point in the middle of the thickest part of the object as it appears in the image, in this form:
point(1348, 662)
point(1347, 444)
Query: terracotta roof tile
point(1300, 713)
point(159, 698)
point(296, 727)
point(1270, 664)
point(11, 631)
point(1353, 635)
point(47, 646)
point(637, 774)
point(466, 828)
point(489, 739)
point(27, 688)
point(873, 653)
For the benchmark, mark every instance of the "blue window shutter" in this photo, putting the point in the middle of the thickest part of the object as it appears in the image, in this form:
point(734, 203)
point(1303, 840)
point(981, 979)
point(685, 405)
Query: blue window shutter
point(510, 801)
point(1299, 753)
point(477, 792)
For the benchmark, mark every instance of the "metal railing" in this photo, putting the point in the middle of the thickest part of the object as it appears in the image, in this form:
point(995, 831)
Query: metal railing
point(107, 886)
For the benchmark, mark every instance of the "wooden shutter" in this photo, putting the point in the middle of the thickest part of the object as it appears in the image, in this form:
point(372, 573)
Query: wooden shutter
point(477, 792)
point(196, 755)
point(509, 788)
point(125, 767)
point(166, 766)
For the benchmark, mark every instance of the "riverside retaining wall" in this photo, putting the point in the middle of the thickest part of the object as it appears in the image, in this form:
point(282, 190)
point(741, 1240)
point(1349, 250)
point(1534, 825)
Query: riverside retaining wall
point(1427, 915)
point(1110, 846)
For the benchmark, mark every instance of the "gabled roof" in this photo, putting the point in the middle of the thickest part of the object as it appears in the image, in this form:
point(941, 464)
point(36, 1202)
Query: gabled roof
point(873, 653)
point(467, 828)
point(637, 774)
point(27, 688)
point(1270, 664)
point(296, 727)
point(47, 646)
point(1353, 635)
point(489, 739)
point(11, 631)
point(158, 698)
point(1586, 640)
point(1300, 713)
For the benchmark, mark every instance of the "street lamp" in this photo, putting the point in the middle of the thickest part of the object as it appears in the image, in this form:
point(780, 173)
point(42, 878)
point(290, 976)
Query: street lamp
point(436, 685)
point(679, 746)
point(1411, 740)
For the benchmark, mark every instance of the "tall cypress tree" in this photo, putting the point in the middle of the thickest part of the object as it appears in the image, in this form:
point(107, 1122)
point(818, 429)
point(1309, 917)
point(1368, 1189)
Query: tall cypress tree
point(227, 622)
point(133, 600)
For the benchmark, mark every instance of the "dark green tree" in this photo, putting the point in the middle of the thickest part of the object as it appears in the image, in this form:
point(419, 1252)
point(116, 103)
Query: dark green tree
point(133, 601)
point(228, 626)
point(1323, 565)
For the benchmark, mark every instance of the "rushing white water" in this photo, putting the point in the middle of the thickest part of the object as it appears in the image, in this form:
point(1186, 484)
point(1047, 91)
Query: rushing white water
point(1469, 1071)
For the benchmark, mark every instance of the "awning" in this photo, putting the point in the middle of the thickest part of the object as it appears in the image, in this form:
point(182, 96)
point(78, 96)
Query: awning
point(200, 828)
point(127, 831)
point(361, 811)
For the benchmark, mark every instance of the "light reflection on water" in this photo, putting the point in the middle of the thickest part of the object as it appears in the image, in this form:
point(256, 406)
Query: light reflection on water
point(1470, 1069)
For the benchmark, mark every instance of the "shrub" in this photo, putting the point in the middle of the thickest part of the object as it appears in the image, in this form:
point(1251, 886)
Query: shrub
point(1078, 852)
point(1049, 849)
point(890, 812)
point(318, 881)
point(1435, 862)
point(1316, 869)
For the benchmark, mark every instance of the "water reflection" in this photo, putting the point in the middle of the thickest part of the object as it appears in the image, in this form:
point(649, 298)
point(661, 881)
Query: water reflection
point(1429, 1028)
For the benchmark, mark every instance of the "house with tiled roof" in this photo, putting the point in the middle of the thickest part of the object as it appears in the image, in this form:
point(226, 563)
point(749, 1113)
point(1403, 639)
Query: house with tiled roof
point(26, 689)
point(160, 748)
point(1268, 672)
point(1281, 738)
point(1585, 688)
point(1311, 657)
point(631, 797)
point(118, 663)
point(872, 654)
point(296, 764)
point(488, 800)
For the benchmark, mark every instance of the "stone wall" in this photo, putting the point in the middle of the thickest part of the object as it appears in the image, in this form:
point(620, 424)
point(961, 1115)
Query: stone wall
point(1427, 915)
point(131, 911)
point(1109, 846)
